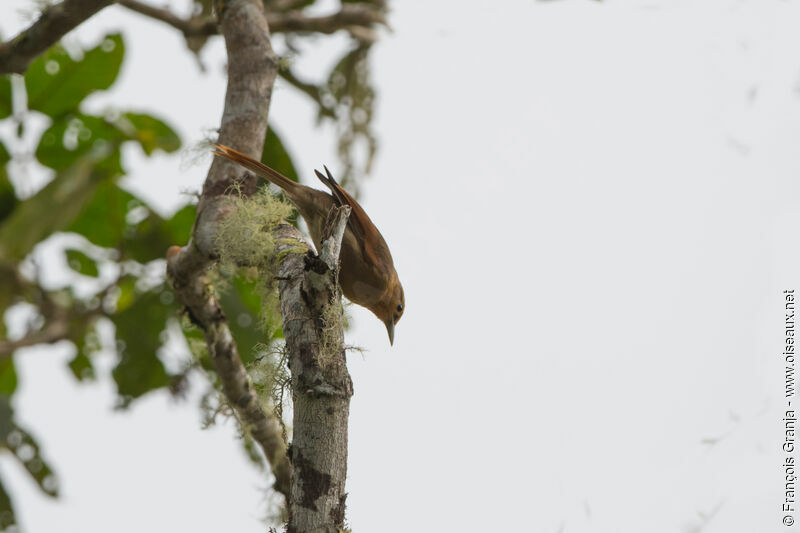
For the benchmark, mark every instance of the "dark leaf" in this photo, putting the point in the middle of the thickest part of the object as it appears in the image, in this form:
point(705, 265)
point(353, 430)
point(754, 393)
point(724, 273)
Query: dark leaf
point(151, 132)
point(56, 84)
point(5, 98)
point(51, 209)
point(7, 423)
point(26, 449)
point(242, 304)
point(73, 136)
point(146, 240)
point(179, 227)
point(103, 219)
point(82, 367)
point(276, 156)
point(8, 376)
point(139, 328)
point(8, 198)
point(5, 157)
point(84, 336)
point(7, 518)
point(81, 263)
point(106, 221)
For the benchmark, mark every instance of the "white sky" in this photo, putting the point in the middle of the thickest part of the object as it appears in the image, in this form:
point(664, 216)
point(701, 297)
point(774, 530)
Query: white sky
point(592, 207)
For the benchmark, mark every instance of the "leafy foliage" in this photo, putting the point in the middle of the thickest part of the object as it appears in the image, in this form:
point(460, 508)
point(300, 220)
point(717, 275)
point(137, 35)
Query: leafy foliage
point(275, 155)
point(151, 132)
point(81, 263)
point(21, 444)
point(139, 328)
point(56, 83)
point(83, 153)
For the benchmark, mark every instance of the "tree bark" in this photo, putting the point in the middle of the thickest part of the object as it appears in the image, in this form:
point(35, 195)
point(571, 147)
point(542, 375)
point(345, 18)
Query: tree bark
point(312, 474)
point(321, 384)
point(252, 69)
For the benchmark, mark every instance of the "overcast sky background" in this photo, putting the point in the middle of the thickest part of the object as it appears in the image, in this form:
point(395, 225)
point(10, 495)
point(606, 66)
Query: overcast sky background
point(593, 210)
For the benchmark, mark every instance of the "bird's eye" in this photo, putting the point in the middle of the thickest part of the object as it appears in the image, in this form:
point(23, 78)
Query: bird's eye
point(399, 308)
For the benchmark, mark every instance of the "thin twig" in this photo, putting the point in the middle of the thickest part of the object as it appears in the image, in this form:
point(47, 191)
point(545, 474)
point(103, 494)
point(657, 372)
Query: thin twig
point(356, 18)
point(191, 27)
point(51, 333)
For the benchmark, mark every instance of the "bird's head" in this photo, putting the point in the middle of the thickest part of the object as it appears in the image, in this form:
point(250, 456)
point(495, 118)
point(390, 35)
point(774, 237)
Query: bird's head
point(391, 308)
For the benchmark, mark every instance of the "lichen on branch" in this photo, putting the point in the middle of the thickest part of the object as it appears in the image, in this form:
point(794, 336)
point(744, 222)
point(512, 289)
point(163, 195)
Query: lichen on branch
point(244, 237)
point(245, 245)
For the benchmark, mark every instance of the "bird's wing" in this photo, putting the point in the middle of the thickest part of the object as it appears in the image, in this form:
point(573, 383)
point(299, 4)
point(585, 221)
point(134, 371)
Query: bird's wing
point(368, 235)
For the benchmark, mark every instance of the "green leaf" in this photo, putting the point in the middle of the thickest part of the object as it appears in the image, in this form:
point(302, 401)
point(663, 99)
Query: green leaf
point(139, 328)
point(179, 227)
point(5, 157)
point(73, 136)
point(102, 220)
point(87, 343)
point(151, 132)
point(57, 84)
point(148, 239)
point(127, 293)
point(242, 320)
point(82, 367)
point(8, 197)
point(8, 376)
point(7, 517)
point(26, 449)
point(5, 100)
point(81, 263)
point(7, 423)
point(242, 303)
point(51, 209)
point(276, 156)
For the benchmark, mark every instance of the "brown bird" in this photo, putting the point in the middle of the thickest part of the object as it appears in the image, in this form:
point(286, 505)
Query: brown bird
point(367, 273)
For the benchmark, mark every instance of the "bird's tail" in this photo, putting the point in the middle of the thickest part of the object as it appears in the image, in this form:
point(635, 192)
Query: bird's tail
point(259, 168)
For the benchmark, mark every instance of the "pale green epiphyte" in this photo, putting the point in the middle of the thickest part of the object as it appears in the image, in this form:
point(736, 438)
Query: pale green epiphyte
point(244, 237)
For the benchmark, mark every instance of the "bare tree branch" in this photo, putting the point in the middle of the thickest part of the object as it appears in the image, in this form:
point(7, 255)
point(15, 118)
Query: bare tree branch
point(355, 18)
point(252, 69)
point(332, 246)
point(52, 332)
point(57, 317)
point(18, 53)
point(191, 27)
point(54, 22)
point(364, 15)
point(321, 385)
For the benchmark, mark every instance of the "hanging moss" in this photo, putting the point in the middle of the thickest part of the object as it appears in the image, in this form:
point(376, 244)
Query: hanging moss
point(244, 237)
point(245, 246)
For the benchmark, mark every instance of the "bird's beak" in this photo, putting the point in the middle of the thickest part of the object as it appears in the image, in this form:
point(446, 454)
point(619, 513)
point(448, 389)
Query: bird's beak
point(390, 330)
